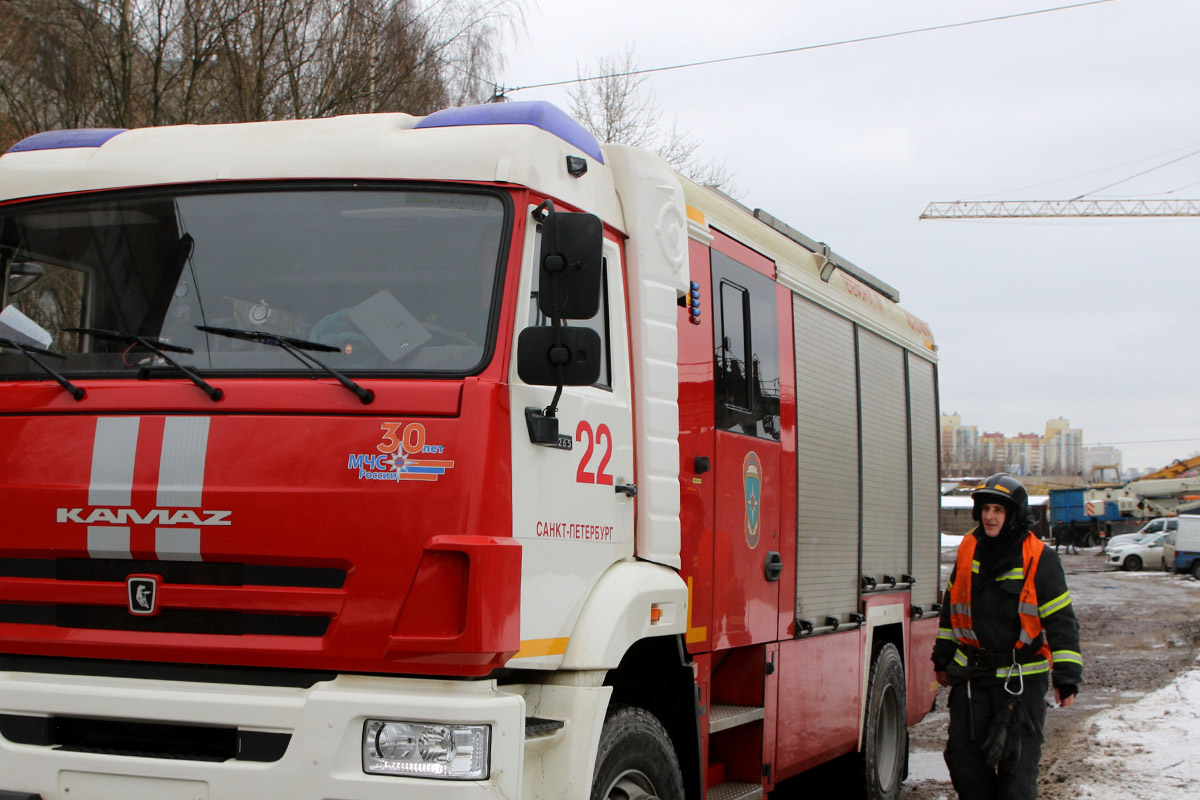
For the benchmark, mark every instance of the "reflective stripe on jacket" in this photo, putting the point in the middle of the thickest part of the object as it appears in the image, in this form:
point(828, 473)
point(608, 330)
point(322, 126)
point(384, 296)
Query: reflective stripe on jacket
point(997, 604)
point(1027, 601)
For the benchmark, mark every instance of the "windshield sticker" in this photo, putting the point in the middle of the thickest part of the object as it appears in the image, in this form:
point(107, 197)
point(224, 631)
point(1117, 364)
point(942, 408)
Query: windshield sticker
point(402, 455)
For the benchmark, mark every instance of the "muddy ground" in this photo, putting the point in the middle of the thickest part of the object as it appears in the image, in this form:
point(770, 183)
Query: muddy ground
point(1138, 632)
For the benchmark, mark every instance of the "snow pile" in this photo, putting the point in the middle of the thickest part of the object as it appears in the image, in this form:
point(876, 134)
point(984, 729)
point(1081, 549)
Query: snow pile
point(927, 765)
point(1155, 742)
point(1147, 749)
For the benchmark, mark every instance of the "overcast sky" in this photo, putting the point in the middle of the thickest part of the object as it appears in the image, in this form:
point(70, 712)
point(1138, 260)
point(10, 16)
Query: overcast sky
point(1092, 320)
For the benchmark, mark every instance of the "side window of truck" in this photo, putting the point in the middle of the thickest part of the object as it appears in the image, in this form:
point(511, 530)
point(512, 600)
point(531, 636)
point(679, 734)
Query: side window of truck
point(735, 353)
point(746, 350)
point(599, 323)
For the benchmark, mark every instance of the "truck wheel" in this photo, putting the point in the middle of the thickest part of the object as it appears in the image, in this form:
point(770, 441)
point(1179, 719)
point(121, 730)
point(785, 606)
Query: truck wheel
point(1133, 564)
point(1196, 570)
point(880, 766)
point(636, 760)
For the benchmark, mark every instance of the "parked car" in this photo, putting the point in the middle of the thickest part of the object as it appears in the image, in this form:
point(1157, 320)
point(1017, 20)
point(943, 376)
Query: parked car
point(1182, 551)
point(1168, 553)
point(1133, 556)
point(1156, 525)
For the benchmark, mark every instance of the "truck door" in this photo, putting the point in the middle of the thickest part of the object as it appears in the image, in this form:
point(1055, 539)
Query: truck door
point(746, 551)
point(573, 505)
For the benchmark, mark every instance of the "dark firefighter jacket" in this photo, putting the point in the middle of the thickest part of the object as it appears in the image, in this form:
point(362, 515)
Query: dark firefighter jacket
point(994, 593)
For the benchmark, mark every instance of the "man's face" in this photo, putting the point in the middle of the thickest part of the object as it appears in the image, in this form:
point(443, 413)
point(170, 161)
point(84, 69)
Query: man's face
point(992, 516)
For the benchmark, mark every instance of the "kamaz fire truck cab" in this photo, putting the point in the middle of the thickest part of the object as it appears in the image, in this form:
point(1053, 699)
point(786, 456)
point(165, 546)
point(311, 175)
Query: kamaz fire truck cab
point(445, 455)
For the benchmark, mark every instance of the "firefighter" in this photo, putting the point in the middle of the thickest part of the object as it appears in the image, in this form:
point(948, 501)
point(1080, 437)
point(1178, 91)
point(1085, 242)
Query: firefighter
point(1007, 632)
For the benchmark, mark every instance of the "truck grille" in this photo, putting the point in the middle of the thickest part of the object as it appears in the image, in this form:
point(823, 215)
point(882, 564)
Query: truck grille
point(185, 572)
point(37, 607)
point(144, 740)
point(230, 623)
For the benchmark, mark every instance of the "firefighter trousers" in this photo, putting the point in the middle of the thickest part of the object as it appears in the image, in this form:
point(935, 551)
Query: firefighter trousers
point(970, 723)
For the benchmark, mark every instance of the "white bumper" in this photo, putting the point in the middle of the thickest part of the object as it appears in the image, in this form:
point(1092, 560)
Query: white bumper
point(323, 757)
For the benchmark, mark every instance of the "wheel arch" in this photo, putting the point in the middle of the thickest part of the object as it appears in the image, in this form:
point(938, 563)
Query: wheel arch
point(656, 675)
point(632, 625)
point(632, 601)
point(885, 625)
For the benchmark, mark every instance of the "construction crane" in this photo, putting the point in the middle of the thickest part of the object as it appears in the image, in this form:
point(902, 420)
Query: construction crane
point(1036, 209)
point(1174, 469)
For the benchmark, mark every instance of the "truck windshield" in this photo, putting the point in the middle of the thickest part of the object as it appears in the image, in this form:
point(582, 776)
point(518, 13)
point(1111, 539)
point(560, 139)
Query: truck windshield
point(396, 279)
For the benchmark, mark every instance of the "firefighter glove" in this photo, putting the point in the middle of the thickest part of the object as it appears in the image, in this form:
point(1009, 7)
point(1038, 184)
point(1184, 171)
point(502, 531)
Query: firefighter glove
point(1002, 747)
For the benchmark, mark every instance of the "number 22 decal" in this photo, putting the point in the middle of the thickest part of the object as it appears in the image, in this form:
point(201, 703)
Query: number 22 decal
point(594, 439)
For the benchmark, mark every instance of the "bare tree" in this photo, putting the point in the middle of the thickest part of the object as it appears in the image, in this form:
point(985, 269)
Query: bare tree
point(617, 108)
point(127, 63)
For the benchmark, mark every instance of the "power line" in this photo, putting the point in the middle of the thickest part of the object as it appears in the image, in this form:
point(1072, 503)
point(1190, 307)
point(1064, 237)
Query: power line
point(1143, 441)
point(804, 48)
point(1095, 172)
point(1138, 175)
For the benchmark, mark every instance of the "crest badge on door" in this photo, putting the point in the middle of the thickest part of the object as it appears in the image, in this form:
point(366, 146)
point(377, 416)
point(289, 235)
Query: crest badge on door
point(752, 486)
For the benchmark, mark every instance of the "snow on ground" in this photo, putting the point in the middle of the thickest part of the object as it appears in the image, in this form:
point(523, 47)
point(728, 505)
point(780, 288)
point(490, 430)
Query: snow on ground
point(1147, 749)
point(1156, 741)
point(927, 765)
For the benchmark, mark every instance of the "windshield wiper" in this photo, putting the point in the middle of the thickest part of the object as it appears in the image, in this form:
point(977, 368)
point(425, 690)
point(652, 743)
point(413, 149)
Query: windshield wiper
point(159, 348)
point(295, 346)
point(28, 350)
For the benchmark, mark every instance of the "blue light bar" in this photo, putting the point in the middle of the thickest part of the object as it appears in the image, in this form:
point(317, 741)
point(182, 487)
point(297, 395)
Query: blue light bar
point(58, 140)
point(537, 113)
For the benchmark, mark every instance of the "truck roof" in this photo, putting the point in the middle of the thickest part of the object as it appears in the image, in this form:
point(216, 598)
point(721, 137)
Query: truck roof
point(801, 264)
point(520, 143)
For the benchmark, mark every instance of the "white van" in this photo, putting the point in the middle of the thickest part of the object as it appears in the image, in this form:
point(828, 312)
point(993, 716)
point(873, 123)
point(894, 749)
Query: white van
point(1182, 551)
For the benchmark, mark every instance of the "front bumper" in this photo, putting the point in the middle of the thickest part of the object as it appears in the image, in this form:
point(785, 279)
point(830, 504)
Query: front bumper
point(321, 759)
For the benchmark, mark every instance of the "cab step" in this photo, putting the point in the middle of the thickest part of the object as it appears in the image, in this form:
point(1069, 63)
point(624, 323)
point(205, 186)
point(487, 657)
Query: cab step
point(537, 726)
point(736, 790)
point(723, 717)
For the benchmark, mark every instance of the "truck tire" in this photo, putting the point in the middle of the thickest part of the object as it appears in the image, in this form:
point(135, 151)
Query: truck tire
point(1133, 564)
point(1196, 569)
point(880, 767)
point(635, 760)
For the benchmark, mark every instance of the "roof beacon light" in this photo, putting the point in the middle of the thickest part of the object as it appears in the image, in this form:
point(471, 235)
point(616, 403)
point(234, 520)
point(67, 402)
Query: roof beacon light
point(537, 113)
point(61, 140)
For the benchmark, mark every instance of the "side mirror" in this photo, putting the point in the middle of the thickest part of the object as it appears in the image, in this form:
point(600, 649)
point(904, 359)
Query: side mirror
point(558, 357)
point(570, 271)
point(23, 274)
point(570, 265)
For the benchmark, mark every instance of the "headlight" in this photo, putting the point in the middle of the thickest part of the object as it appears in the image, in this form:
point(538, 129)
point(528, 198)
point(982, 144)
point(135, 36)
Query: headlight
point(426, 749)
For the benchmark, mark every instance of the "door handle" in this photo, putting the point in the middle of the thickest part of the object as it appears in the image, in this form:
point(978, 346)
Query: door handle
point(773, 567)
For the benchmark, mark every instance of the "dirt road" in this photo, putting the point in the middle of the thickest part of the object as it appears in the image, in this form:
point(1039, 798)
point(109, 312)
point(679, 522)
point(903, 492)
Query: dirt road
point(1138, 630)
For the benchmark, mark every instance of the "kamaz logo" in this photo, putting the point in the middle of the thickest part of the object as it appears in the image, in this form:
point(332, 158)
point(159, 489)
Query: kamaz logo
point(142, 591)
point(158, 516)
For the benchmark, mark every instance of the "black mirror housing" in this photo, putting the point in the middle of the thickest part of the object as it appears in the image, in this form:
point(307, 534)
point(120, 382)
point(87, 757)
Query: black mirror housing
point(570, 265)
point(541, 351)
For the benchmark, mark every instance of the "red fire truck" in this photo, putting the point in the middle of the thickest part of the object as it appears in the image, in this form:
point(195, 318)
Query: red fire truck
point(446, 456)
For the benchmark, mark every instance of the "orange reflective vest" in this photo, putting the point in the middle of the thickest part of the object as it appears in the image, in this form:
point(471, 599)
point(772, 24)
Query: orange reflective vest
point(1027, 603)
